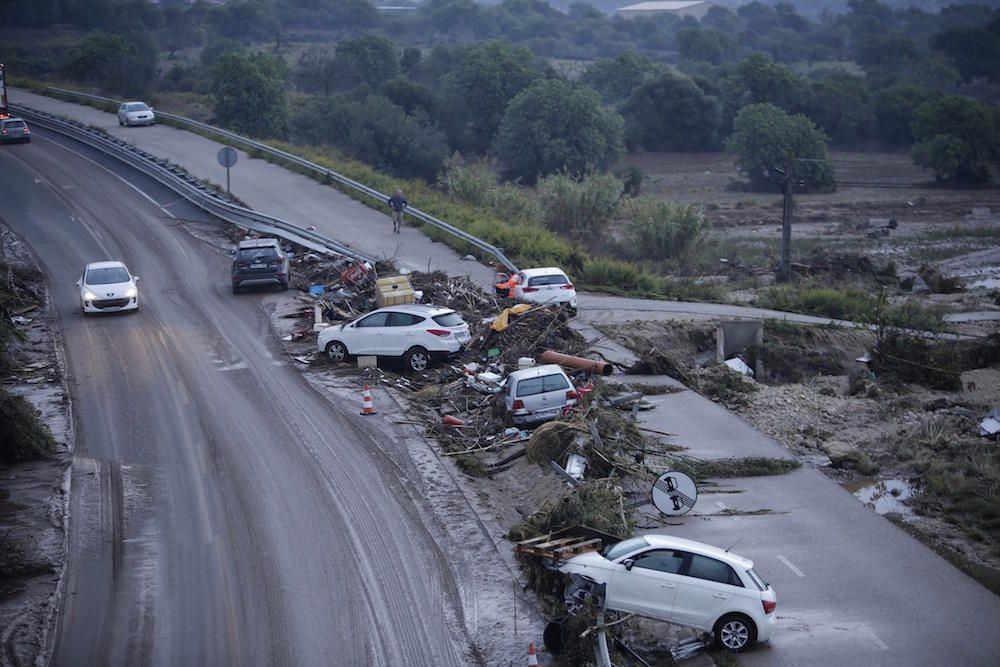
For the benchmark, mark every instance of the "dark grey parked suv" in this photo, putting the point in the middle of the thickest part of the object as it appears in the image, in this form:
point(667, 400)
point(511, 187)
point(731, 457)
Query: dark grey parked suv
point(259, 262)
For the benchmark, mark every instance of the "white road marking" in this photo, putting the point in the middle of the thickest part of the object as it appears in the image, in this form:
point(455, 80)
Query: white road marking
point(238, 366)
point(791, 567)
point(878, 642)
point(725, 508)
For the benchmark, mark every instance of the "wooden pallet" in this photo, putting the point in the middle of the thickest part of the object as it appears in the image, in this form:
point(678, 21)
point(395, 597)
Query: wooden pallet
point(561, 548)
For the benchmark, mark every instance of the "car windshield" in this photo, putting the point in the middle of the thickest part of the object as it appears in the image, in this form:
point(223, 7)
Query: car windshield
point(138, 106)
point(257, 255)
point(451, 319)
point(16, 124)
point(551, 279)
point(541, 385)
point(625, 547)
point(108, 276)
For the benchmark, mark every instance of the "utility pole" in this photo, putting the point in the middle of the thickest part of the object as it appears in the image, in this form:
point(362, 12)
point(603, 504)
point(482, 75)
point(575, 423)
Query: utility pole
point(787, 183)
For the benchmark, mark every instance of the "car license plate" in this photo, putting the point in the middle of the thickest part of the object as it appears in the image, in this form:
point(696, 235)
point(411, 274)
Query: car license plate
point(258, 266)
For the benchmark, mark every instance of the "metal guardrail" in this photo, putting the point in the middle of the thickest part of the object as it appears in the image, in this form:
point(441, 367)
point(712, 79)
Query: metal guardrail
point(187, 186)
point(496, 252)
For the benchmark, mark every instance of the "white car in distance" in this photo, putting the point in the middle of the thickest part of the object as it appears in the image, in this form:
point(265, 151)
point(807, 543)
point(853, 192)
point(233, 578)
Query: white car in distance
point(679, 581)
point(136, 113)
point(547, 285)
point(108, 287)
point(418, 333)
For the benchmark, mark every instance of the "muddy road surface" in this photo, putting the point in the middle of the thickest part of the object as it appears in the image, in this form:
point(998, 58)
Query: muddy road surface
point(223, 512)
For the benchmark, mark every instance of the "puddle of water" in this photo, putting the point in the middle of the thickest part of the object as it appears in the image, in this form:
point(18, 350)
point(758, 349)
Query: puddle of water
point(884, 496)
point(985, 283)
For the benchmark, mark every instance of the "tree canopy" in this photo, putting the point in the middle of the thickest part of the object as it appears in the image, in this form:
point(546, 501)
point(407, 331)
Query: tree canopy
point(671, 113)
point(249, 94)
point(765, 137)
point(957, 138)
point(555, 126)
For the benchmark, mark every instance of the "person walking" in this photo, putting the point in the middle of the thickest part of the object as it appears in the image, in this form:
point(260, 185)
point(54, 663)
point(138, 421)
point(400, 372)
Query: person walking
point(398, 204)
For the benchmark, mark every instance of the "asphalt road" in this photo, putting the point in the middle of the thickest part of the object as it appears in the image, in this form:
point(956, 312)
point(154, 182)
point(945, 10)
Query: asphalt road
point(223, 511)
point(852, 588)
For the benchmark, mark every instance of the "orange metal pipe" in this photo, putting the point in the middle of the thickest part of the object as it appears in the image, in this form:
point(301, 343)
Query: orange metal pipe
point(568, 360)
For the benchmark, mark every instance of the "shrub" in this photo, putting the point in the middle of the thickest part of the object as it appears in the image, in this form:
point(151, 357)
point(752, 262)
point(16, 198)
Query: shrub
point(579, 208)
point(619, 277)
point(23, 437)
point(661, 230)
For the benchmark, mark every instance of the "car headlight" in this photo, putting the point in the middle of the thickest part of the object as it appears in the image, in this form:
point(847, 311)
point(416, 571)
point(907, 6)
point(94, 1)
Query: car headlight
point(89, 296)
point(131, 292)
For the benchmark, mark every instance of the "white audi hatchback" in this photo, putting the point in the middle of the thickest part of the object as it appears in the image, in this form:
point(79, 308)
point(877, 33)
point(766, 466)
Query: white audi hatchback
point(418, 333)
point(108, 287)
point(546, 285)
point(680, 581)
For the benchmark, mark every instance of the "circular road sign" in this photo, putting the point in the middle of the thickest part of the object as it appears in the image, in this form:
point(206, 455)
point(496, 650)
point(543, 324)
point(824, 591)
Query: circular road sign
point(227, 156)
point(674, 493)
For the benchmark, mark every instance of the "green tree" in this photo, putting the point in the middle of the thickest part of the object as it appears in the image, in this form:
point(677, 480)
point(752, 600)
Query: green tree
point(704, 45)
point(758, 80)
point(124, 64)
point(248, 94)
point(409, 96)
point(484, 82)
point(556, 126)
point(616, 78)
point(975, 52)
point(841, 106)
point(671, 113)
point(763, 138)
point(894, 107)
point(957, 138)
point(371, 59)
point(372, 129)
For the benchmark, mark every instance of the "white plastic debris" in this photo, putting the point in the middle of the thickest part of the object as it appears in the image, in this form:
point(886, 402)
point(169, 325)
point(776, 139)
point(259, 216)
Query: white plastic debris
point(991, 424)
point(576, 465)
point(739, 366)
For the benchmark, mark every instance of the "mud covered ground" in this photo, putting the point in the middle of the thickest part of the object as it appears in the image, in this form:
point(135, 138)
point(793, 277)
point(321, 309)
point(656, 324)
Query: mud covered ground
point(33, 495)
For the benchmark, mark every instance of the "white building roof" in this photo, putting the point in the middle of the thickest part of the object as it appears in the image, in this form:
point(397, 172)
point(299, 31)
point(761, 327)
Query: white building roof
point(661, 6)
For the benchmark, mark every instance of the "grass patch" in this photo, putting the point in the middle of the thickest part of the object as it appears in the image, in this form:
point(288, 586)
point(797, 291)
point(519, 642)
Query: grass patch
point(750, 466)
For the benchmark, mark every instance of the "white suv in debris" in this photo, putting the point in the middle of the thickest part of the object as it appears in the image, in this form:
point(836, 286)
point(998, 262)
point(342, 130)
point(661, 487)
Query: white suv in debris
point(416, 332)
point(680, 581)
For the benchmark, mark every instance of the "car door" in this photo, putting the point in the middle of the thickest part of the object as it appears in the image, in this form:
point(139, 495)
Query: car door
point(400, 333)
point(706, 587)
point(646, 584)
point(367, 336)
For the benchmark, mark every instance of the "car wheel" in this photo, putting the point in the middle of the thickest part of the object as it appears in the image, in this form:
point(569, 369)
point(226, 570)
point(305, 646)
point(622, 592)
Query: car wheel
point(417, 359)
point(336, 352)
point(735, 632)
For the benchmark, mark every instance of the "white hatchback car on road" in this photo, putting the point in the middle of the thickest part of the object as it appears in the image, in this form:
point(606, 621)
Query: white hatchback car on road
point(136, 113)
point(108, 287)
point(416, 332)
point(680, 581)
point(545, 285)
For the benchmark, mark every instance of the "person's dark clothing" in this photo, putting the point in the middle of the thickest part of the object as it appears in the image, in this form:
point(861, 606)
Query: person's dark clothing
point(397, 202)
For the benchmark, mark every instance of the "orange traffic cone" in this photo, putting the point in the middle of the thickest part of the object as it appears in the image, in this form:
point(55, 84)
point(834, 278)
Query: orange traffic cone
point(367, 406)
point(532, 658)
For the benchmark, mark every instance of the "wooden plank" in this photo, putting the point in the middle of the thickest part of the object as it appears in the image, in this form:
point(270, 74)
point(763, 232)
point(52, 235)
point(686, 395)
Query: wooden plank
point(554, 543)
point(580, 545)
